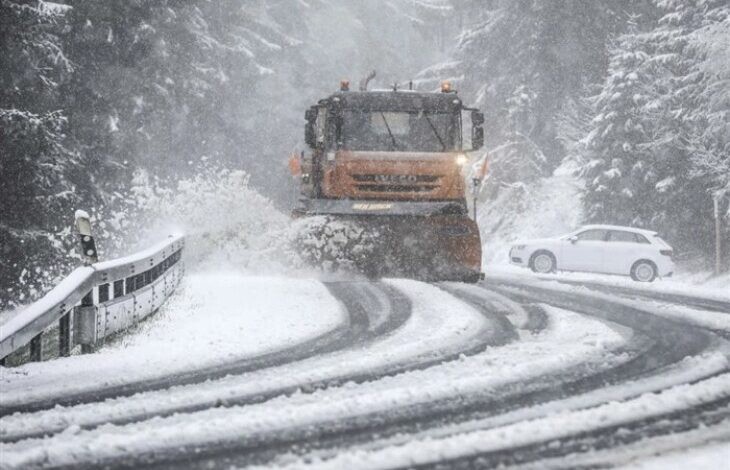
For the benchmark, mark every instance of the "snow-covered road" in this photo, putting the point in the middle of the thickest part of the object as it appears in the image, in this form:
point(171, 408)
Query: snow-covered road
point(215, 324)
point(274, 372)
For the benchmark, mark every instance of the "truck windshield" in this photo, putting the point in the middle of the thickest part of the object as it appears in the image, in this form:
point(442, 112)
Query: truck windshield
point(399, 131)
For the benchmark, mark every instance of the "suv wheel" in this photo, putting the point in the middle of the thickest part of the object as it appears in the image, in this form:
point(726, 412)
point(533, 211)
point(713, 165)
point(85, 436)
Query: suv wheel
point(643, 271)
point(543, 262)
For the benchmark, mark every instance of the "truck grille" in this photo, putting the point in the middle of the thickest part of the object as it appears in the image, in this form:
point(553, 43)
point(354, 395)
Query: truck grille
point(396, 183)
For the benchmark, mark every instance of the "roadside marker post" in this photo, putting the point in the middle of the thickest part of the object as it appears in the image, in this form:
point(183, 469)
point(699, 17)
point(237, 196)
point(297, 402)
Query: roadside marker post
point(85, 314)
point(86, 238)
point(718, 197)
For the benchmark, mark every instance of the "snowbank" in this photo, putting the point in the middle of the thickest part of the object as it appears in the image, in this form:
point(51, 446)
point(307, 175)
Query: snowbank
point(716, 288)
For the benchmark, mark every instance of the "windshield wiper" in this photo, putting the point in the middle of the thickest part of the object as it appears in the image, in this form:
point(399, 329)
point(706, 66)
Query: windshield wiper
point(433, 128)
point(392, 137)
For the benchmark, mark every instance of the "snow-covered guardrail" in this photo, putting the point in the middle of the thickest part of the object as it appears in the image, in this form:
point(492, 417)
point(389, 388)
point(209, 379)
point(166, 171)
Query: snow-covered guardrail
point(94, 302)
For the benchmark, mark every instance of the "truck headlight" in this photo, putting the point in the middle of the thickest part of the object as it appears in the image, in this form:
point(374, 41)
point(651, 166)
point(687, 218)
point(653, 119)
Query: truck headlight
point(461, 159)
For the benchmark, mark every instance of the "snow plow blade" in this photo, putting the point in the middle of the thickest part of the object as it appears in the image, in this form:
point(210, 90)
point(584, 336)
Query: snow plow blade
point(379, 207)
point(426, 241)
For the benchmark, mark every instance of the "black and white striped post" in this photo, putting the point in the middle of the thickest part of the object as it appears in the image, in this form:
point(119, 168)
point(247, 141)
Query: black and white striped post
point(86, 238)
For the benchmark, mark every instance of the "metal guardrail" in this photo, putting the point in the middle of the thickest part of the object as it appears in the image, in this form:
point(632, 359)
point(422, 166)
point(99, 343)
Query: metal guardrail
point(94, 302)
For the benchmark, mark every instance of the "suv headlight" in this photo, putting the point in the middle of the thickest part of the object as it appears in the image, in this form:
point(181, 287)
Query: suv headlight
point(519, 247)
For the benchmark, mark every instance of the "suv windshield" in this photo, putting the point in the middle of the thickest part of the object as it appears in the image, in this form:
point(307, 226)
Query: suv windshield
point(399, 130)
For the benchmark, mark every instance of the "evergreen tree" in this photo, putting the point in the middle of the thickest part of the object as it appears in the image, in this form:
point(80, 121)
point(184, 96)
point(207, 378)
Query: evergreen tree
point(161, 84)
point(650, 130)
point(525, 60)
point(711, 117)
point(42, 177)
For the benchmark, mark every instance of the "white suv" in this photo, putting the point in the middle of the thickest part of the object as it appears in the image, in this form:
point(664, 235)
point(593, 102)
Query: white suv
point(607, 249)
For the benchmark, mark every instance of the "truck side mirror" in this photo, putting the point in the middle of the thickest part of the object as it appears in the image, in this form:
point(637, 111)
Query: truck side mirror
point(477, 137)
point(477, 118)
point(310, 136)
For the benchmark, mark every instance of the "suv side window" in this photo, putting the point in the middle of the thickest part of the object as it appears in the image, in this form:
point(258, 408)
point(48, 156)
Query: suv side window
point(621, 236)
point(592, 235)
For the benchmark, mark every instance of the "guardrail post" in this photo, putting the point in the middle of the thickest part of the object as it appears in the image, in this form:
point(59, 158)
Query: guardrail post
point(36, 348)
point(716, 200)
point(85, 324)
point(64, 335)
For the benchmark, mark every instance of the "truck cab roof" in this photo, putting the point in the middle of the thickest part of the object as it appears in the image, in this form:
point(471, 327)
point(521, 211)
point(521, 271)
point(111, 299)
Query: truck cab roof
point(389, 100)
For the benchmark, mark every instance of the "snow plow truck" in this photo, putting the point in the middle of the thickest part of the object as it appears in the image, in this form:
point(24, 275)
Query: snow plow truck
point(389, 164)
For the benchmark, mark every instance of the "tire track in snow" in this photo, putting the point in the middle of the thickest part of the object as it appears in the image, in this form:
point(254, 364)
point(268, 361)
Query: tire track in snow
point(326, 342)
point(531, 317)
point(447, 339)
point(705, 414)
point(715, 413)
point(384, 306)
point(459, 409)
point(667, 334)
point(655, 336)
point(698, 448)
point(684, 408)
point(374, 309)
point(673, 341)
point(715, 305)
point(643, 364)
point(343, 431)
point(332, 338)
point(710, 314)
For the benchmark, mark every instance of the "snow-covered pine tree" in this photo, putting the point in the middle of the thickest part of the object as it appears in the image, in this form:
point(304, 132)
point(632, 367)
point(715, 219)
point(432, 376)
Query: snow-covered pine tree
point(711, 117)
point(524, 60)
point(137, 71)
point(42, 178)
point(647, 132)
point(165, 84)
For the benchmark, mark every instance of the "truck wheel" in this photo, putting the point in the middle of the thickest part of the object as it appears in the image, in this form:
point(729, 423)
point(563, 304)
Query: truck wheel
point(543, 262)
point(643, 271)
